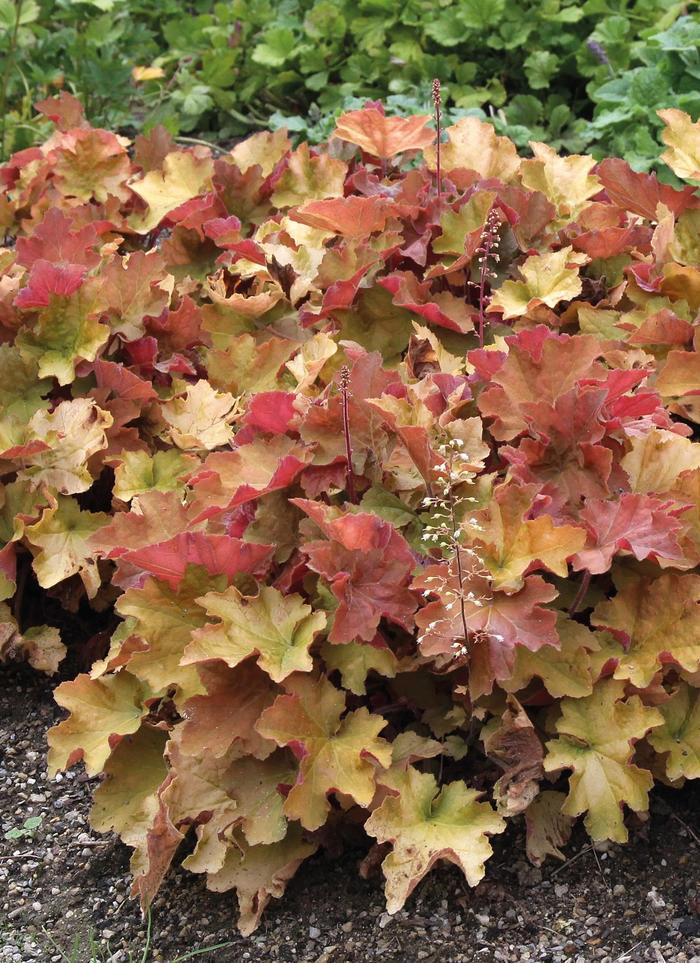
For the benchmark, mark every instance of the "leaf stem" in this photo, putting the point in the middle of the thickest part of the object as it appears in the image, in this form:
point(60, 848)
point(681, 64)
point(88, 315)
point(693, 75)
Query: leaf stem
point(581, 594)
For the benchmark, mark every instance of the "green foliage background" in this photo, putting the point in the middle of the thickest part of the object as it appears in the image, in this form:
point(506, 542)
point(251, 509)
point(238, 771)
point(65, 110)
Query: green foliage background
point(582, 76)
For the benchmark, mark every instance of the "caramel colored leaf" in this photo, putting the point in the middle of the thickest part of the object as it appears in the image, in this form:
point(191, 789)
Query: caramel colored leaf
point(225, 717)
point(259, 873)
point(201, 418)
point(682, 138)
point(165, 618)
point(513, 544)
point(564, 671)
point(656, 459)
point(566, 181)
point(126, 801)
point(255, 785)
point(102, 712)
point(659, 619)
point(680, 375)
point(472, 144)
point(383, 136)
point(309, 177)
point(264, 149)
point(335, 755)
point(61, 538)
point(547, 827)
point(547, 279)
point(69, 435)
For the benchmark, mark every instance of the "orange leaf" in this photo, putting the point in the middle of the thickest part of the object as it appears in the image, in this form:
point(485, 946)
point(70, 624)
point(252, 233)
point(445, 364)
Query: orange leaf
point(349, 216)
point(382, 136)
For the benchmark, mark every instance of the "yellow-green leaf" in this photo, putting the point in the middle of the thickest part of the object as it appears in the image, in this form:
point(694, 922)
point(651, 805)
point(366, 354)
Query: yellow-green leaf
point(596, 741)
point(424, 824)
point(278, 628)
point(184, 175)
point(679, 736)
point(547, 279)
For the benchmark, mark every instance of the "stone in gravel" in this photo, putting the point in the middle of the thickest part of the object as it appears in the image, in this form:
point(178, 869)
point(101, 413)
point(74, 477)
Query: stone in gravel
point(657, 902)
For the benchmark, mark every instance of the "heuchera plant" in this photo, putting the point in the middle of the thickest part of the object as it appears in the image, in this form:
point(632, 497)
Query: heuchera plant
point(389, 482)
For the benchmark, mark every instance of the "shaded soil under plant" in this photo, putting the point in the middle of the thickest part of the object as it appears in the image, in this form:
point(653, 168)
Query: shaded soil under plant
point(62, 882)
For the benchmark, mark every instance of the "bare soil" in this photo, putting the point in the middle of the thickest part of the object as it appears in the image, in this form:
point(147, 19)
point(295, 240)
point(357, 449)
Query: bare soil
point(62, 884)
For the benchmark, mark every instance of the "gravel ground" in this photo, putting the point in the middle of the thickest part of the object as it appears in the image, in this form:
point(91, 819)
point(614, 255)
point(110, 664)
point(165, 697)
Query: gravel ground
point(62, 883)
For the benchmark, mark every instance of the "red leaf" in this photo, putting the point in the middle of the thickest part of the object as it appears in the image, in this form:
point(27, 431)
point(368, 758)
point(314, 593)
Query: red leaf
point(443, 309)
point(179, 329)
point(122, 382)
point(271, 411)
point(231, 478)
point(565, 450)
point(496, 622)
point(663, 327)
point(46, 280)
point(368, 565)
point(613, 240)
point(540, 366)
point(641, 193)
point(54, 239)
point(219, 554)
point(639, 524)
point(160, 517)
point(65, 110)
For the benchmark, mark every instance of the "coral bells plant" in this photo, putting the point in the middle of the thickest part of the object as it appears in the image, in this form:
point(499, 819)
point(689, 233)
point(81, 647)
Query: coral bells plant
point(363, 528)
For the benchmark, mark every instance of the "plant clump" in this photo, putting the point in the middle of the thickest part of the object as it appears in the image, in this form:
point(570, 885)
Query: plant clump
point(375, 530)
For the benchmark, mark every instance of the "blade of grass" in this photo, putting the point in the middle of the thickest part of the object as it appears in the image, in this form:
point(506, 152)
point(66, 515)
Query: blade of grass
point(201, 952)
point(147, 947)
point(73, 958)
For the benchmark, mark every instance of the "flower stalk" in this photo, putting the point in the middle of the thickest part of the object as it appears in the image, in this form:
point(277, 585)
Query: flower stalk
point(487, 250)
point(448, 534)
point(437, 103)
point(345, 395)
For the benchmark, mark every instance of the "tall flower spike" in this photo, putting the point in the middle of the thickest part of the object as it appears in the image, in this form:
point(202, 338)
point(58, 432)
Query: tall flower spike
point(345, 394)
point(448, 533)
point(437, 102)
point(488, 248)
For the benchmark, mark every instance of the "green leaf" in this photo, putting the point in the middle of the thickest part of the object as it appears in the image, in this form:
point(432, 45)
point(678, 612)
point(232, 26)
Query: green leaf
point(540, 67)
point(276, 48)
point(388, 506)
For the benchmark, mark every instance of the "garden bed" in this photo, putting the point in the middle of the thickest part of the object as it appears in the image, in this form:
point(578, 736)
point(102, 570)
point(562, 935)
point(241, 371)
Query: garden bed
point(64, 883)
